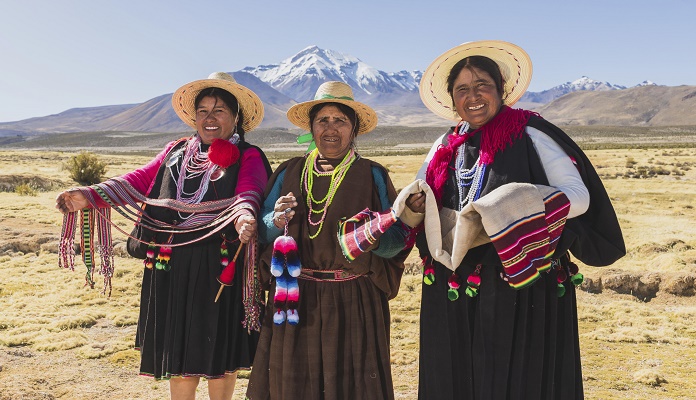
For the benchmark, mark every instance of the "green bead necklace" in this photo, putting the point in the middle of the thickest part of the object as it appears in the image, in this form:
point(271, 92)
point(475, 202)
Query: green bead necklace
point(309, 171)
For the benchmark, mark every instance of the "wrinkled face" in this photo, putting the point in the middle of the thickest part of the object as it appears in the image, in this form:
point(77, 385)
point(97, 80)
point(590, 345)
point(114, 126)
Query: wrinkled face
point(332, 132)
point(214, 120)
point(475, 96)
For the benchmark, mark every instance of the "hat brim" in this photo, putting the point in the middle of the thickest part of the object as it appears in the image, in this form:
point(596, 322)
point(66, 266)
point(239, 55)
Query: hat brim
point(250, 104)
point(299, 114)
point(515, 66)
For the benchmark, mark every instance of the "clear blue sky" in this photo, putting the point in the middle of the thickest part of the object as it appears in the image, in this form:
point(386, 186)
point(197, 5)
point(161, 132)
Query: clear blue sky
point(61, 54)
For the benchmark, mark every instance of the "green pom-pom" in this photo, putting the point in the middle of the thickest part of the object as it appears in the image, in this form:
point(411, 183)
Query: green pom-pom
point(561, 290)
point(471, 291)
point(577, 279)
point(452, 294)
point(159, 265)
point(428, 279)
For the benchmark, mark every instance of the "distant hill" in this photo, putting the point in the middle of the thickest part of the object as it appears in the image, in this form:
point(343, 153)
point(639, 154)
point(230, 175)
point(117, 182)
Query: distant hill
point(393, 95)
point(638, 106)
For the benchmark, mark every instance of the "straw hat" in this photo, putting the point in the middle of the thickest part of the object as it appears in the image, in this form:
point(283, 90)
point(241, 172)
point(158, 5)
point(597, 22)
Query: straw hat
point(333, 92)
point(514, 64)
point(249, 102)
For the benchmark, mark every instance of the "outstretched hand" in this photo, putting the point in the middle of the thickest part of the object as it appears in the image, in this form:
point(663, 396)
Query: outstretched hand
point(71, 201)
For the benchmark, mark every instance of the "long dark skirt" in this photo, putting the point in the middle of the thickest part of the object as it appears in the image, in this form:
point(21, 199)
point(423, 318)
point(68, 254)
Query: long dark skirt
point(338, 351)
point(182, 331)
point(502, 344)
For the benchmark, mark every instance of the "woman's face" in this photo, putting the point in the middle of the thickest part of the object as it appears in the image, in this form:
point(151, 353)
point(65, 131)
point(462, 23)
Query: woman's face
point(475, 96)
point(332, 132)
point(214, 119)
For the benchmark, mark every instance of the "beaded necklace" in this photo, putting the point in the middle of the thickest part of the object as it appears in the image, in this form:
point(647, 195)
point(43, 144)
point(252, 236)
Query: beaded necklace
point(195, 163)
point(468, 177)
point(309, 171)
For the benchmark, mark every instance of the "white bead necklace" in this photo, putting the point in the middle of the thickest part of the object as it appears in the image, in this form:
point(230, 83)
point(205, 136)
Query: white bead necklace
point(468, 177)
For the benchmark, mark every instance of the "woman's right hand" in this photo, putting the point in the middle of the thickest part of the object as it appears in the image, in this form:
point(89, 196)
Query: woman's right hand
point(282, 211)
point(71, 201)
point(416, 202)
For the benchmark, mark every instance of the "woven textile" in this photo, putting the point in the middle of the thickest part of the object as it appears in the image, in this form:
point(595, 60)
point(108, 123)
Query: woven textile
point(357, 234)
point(522, 220)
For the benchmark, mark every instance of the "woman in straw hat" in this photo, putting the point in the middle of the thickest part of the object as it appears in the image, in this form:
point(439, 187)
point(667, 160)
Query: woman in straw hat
point(199, 197)
point(498, 311)
point(326, 330)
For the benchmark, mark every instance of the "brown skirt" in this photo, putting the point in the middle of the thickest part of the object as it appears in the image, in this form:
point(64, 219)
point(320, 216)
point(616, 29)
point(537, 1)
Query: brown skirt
point(338, 350)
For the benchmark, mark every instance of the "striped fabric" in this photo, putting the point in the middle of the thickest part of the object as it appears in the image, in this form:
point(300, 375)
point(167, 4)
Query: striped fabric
point(525, 245)
point(357, 234)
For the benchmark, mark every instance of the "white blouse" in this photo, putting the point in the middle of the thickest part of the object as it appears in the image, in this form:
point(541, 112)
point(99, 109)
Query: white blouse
point(559, 168)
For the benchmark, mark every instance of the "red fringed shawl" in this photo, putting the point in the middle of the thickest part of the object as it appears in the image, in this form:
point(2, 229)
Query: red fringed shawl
point(498, 133)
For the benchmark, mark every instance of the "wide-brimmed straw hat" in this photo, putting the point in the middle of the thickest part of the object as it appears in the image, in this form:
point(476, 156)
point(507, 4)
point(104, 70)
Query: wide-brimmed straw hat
point(250, 104)
point(514, 63)
point(333, 92)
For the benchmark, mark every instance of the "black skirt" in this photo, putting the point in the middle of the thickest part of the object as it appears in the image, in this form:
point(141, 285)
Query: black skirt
point(502, 344)
point(182, 331)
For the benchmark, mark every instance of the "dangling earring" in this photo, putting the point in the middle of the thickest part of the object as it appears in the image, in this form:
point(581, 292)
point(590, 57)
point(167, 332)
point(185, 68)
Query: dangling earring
point(235, 136)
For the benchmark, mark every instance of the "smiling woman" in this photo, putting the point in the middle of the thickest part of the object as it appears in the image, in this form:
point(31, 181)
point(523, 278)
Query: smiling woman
point(200, 195)
point(326, 330)
point(513, 331)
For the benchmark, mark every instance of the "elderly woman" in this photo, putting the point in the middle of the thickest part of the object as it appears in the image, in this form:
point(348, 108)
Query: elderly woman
point(201, 197)
point(326, 332)
point(521, 194)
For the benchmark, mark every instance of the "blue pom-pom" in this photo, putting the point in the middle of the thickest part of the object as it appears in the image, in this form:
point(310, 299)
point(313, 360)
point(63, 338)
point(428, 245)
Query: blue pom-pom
point(293, 317)
point(279, 317)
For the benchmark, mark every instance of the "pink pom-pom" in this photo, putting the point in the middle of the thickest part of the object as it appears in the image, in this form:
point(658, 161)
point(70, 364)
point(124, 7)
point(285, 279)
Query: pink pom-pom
point(227, 275)
point(453, 281)
point(474, 280)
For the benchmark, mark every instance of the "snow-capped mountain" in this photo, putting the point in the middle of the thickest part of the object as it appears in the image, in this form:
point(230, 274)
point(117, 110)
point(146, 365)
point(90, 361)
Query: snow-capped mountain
point(584, 83)
point(299, 76)
point(393, 95)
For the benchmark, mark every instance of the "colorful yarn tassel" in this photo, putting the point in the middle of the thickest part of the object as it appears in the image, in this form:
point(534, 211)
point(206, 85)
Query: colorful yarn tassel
point(453, 283)
point(428, 271)
point(226, 277)
point(473, 282)
point(163, 257)
point(286, 267)
point(575, 276)
point(292, 301)
point(149, 260)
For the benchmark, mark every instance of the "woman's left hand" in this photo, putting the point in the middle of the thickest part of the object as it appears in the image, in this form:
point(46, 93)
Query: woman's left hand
point(246, 227)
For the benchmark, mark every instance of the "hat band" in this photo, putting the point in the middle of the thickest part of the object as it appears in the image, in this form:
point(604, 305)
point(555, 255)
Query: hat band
point(328, 96)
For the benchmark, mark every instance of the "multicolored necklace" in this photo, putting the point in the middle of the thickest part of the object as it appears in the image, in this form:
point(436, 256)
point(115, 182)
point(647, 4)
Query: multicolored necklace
point(196, 163)
point(309, 171)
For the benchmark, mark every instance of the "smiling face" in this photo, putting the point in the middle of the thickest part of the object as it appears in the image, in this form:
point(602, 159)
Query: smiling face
point(332, 131)
point(214, 119)
point(476, 97)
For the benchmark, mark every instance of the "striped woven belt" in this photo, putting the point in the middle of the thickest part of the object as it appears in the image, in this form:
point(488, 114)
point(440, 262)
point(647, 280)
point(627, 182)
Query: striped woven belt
point(328, 275)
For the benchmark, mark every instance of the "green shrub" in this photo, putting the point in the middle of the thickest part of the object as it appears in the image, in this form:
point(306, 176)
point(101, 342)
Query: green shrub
point(86, 168)
point(25, 190)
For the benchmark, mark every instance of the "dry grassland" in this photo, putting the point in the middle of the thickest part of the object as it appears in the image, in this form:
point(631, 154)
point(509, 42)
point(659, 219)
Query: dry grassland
point(60, 340)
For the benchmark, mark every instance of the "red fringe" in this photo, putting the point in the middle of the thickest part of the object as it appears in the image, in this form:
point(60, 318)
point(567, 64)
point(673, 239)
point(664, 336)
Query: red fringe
point(501, 131)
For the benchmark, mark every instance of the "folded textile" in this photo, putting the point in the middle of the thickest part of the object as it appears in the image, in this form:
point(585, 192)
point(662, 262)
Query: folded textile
point(522, 220)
